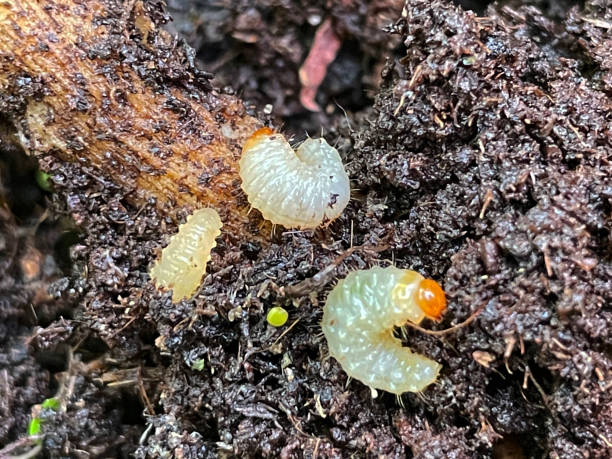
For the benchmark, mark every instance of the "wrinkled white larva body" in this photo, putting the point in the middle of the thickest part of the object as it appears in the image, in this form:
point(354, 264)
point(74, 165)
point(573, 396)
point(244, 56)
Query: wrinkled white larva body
point(296, 189)
point(183, 261)
point(358, 320)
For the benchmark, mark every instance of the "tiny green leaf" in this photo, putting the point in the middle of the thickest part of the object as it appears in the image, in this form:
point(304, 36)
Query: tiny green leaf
point(42, 178)
point(34, 428)
point(51, 403)
point(198, 365)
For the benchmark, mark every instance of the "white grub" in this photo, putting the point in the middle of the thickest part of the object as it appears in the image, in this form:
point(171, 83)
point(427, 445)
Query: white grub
point(297, 189)
point(358, 320)
point(183, 261)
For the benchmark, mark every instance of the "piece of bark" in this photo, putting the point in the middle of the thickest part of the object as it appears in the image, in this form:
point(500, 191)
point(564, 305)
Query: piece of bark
point(97, 82)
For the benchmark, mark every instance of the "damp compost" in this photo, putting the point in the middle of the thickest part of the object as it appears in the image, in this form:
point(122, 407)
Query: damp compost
point(477, 137)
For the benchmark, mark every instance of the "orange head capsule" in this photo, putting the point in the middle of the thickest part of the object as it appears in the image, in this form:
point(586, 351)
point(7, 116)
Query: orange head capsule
point(431, 299)
point(256, 137)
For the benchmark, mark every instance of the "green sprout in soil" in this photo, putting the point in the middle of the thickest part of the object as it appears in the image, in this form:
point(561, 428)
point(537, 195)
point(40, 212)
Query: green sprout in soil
point(51, 404)
point(198, 365)
point(43, 180)
point(35, 425)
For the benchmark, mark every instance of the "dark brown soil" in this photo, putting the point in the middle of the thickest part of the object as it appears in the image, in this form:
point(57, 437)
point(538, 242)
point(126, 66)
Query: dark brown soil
point(479, 149)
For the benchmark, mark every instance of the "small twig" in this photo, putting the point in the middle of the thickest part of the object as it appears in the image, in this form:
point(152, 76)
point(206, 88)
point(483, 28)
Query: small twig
point(24, 441)
point(510, 343)
point(283, 333)
point(27, 455)
point(318, 442)
point(465, 323)
point(605, 440)
point(127, 324)
point(400, 105)
point(487, 200)
point(296, 423)
point(6, 391)
point(143, 393)
point(322, 277)
point(597, 22)
point(539, 388)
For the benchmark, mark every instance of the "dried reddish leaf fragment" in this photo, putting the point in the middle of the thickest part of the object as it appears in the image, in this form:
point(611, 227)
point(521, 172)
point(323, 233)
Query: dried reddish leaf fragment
point(312, 73)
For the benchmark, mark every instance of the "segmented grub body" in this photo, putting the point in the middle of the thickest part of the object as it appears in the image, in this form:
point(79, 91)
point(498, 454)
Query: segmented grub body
point(358, 320)
point(183, 261)
point(296, 189)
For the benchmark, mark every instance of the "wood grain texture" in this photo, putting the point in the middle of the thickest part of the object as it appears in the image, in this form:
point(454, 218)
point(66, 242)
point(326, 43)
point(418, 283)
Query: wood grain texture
point(97, 82)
